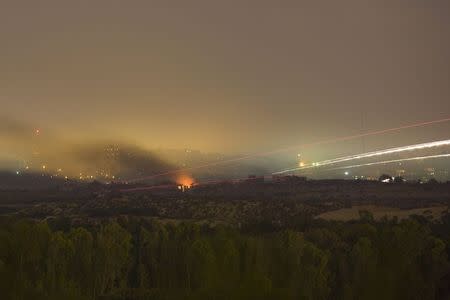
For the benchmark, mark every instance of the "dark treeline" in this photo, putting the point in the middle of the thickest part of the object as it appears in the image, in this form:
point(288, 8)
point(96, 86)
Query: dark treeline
point(141, 259)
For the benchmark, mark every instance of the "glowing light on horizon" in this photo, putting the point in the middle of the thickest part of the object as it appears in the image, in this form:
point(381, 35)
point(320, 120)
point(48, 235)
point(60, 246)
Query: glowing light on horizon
point(369, 154)
point(185, 180)
point(237, 180)
point(334, 140)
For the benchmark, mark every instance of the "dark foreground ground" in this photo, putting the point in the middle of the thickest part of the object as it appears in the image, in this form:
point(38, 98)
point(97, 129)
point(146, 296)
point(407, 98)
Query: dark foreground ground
point(234, 204)
point(250, 240)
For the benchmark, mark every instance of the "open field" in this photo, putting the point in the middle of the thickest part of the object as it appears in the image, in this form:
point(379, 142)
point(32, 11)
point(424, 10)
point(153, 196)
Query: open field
point(247, 202)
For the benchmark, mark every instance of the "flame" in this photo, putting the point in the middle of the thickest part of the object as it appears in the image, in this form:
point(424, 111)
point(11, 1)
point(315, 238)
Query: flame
point(185, 180)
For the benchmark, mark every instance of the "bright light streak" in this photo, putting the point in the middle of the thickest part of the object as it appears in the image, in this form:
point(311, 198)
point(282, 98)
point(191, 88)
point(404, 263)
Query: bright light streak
point(393, 161)
point(212, 182)
point(370, 154)
point(296, 147)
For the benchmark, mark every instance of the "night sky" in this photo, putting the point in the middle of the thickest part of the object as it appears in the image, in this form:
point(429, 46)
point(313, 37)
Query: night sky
point(226, 76)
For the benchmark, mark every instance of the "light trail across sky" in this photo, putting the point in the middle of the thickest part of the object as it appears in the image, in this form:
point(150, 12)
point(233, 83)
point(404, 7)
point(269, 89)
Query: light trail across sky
point(212, 182)
point(262, 154)
point(368, 155)
point(392, 161)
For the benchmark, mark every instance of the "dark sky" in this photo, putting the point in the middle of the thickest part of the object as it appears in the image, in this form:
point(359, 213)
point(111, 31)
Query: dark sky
point(226, 76)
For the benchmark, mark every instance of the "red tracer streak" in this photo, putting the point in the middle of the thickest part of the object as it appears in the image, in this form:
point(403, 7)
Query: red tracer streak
point(329, 141)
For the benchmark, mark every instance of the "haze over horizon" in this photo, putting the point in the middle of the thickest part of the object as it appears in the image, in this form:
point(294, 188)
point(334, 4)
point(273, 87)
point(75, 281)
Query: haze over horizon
point(227, 77)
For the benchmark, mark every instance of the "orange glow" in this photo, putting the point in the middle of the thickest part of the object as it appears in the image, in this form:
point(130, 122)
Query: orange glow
point(185, 180)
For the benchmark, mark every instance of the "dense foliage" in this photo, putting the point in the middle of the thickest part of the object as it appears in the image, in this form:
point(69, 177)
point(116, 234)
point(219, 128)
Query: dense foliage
point(140, 259)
